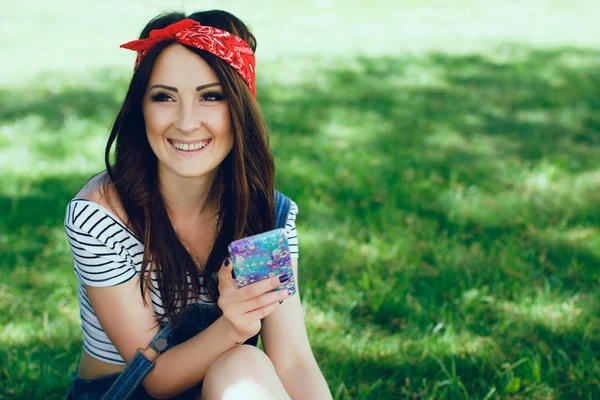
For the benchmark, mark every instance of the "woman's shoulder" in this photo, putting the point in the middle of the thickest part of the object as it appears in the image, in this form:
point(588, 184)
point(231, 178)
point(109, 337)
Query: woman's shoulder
point(96, 214)
point(105, 251)
point(100, 191)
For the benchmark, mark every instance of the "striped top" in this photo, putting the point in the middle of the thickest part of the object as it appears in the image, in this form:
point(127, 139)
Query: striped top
point(106, 253)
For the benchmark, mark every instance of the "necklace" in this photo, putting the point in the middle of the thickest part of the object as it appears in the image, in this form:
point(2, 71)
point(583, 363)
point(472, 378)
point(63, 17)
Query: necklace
point(184, 243)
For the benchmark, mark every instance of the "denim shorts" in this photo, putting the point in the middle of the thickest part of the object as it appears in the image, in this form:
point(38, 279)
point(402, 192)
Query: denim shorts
point(94, 389)
point(198, 318)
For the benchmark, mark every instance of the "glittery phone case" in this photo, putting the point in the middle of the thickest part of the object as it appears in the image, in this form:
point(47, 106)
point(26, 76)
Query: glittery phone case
point(262, 256)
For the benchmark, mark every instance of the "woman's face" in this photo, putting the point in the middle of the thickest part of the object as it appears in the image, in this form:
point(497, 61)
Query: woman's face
point(187, 117)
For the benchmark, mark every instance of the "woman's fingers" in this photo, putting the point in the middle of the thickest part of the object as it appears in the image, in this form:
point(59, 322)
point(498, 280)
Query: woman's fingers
point(224, 275)
point(245, 307)
point(261, 287)
point(260, 313)
point(264, 300)
point(248, 314)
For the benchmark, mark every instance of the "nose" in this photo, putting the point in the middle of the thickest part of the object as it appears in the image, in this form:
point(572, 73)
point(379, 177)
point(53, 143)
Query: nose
point(188, 120)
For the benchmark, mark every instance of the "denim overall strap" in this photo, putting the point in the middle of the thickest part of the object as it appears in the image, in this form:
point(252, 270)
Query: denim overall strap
point(282, 209)
point(136, 369)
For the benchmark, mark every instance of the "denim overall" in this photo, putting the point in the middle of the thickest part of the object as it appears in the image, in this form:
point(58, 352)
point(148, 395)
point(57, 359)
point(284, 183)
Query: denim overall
point(127, 383)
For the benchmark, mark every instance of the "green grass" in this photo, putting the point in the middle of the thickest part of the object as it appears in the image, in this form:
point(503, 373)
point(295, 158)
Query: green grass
point(449, 222)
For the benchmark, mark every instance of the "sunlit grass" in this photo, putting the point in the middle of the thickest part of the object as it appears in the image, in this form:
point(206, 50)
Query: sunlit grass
point(561, 316)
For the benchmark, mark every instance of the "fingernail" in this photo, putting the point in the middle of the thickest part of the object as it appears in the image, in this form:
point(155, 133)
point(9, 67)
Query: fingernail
point(284, 278)
point(280, 301)
point(289, 292)
point(227, 262)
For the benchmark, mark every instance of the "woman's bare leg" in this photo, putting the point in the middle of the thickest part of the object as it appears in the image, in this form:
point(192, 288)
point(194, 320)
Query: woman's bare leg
point(244, 372)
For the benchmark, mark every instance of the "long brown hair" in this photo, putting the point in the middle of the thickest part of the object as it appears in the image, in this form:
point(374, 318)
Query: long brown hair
point(247, 205)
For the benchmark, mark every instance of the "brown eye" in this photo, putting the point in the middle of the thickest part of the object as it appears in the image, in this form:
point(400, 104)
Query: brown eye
point(212, 96)
point(161, 97)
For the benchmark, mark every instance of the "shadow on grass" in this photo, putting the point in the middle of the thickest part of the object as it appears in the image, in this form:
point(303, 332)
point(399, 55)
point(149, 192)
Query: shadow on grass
point(419, 180)
point(456, 126)
point(29, 219)
point(46, 362)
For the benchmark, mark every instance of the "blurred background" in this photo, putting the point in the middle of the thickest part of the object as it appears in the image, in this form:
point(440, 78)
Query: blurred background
point(445, 157)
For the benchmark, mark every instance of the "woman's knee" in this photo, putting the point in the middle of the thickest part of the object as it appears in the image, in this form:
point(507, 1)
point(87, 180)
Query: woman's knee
point(242, 371)
point(242, 360)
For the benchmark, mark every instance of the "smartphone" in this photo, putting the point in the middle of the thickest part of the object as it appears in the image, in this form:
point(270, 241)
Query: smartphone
point(262, 256)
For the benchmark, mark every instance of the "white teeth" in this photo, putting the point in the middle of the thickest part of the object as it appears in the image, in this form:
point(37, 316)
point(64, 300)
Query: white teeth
point(190, 147)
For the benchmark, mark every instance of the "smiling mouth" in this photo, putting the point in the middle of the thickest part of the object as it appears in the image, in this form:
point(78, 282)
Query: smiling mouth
point(190, 146)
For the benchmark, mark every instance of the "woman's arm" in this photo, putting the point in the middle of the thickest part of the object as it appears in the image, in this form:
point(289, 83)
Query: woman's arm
point(130, 326)
point(286, 343)
point(133, 326)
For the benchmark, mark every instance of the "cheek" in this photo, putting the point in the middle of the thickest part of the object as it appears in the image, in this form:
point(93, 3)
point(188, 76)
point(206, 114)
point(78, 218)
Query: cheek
point(226, 128)
point(156, 120)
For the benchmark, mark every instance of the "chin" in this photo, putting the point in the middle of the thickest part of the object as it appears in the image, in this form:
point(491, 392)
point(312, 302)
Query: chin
point(193, 172)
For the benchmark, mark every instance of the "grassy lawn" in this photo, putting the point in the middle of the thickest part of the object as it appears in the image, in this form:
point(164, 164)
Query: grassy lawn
point(447, 174)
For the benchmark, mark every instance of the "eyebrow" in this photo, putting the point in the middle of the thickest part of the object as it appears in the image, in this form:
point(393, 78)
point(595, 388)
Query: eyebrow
point(174, 89)
point(208, 85)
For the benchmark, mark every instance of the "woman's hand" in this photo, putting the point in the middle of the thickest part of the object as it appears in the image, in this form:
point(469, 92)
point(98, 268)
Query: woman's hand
point(245, 307)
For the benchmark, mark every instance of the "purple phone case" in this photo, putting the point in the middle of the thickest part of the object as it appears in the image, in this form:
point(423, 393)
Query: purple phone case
point(262, 256)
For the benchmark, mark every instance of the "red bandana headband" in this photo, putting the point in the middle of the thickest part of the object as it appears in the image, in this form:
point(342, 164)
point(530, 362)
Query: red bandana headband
point(216, 41)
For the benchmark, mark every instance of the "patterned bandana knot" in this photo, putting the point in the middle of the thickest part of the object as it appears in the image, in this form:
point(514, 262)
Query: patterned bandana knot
point(221, 43)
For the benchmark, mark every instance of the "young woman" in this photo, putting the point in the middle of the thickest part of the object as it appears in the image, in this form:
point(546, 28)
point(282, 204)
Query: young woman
point(192, 172)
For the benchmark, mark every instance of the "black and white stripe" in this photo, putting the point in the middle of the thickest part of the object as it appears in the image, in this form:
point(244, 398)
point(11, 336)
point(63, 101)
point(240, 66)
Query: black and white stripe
point(290, 230)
